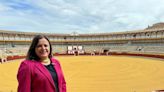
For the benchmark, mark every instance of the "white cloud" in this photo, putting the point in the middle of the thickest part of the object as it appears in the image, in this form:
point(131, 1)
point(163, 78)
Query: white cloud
point(84, 16)
point(4, 8)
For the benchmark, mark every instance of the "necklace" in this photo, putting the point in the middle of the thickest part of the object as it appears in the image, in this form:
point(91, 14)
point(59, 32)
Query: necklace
point(45, 62)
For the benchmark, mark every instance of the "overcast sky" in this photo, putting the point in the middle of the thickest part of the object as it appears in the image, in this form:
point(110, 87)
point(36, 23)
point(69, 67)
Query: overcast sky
point(81, 16)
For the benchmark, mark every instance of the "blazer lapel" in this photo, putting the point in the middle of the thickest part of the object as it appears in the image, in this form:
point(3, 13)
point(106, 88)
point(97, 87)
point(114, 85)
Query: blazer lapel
point(45, 72)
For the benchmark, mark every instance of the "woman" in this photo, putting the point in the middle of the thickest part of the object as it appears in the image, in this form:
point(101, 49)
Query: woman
point(40, 72)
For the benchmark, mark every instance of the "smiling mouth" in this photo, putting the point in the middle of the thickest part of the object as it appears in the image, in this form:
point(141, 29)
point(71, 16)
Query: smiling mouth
point(43, 52)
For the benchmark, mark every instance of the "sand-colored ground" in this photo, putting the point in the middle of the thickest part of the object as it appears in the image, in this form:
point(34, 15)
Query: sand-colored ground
point(99, 74)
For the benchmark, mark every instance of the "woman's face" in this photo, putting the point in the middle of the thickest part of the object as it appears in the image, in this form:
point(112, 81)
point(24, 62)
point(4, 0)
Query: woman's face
point(42, 49)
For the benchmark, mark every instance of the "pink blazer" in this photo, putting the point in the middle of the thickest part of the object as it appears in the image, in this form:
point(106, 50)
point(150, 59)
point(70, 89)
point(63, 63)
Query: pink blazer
point(34, 77)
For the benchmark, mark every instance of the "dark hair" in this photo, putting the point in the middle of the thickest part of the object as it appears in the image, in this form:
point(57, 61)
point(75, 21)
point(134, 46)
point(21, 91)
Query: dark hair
point(31, 55)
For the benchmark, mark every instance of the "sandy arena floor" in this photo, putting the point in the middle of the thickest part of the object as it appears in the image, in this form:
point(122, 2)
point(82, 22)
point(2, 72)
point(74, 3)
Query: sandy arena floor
point(99, 74)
